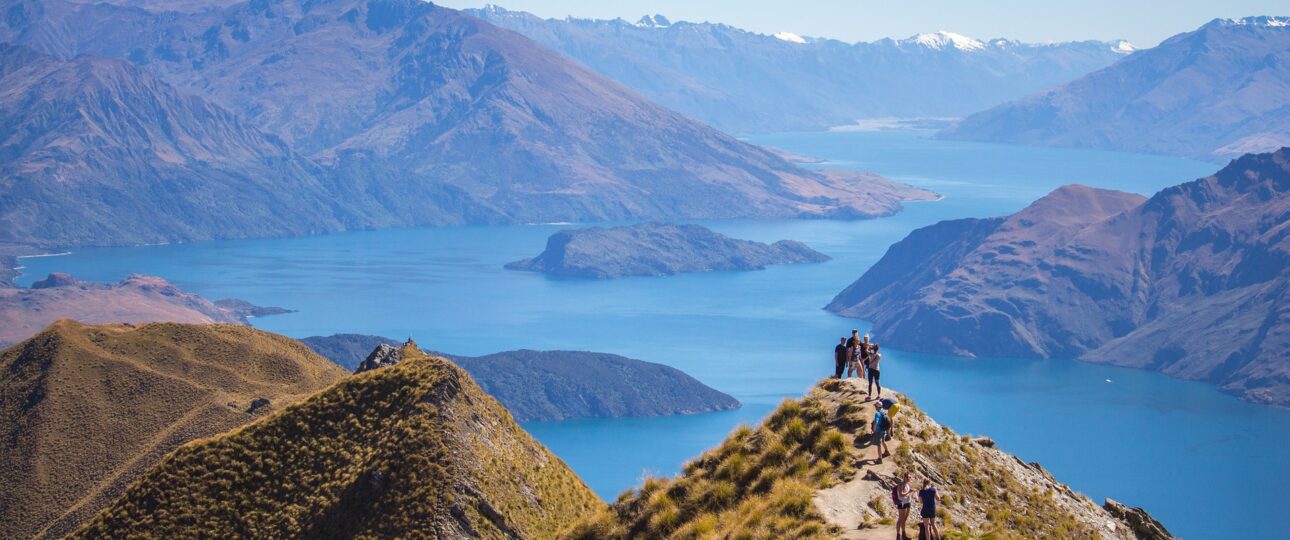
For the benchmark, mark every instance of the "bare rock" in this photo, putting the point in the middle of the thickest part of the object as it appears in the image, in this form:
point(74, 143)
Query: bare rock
point(1140, 522)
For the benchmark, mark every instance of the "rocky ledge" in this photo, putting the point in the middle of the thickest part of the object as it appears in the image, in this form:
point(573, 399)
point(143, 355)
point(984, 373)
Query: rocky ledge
point(657, 249)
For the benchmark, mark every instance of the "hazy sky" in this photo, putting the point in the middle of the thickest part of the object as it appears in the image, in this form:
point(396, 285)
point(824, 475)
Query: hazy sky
point(1142, 22)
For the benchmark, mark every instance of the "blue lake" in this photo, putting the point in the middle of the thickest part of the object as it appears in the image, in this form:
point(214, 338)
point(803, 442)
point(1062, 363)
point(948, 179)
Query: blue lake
point(1206, 464)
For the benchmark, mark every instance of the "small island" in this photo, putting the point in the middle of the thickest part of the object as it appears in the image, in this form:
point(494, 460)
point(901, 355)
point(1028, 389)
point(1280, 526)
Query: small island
point(657, 249)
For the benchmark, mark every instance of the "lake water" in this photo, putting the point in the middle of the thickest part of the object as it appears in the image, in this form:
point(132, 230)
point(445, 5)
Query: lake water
point(1206, 464)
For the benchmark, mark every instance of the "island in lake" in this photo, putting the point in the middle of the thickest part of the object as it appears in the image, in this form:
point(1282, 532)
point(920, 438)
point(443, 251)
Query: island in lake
point(657, 249)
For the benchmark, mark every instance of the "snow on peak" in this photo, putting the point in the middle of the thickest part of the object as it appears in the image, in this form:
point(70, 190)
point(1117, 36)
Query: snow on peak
point(653, 21)
point(790, 37)
point(1263, 20)
point(942, 39)
point(1122, 47)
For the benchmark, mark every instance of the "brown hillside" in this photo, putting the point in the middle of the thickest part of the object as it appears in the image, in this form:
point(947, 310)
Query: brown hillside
point(414, 450)
point(86, 409)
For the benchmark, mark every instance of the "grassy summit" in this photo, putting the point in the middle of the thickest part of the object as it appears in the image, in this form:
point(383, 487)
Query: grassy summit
point(808, 472)
point(411, 450)
point(84, 409)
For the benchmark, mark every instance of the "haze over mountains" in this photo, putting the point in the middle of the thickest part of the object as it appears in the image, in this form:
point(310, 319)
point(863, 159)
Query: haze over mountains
point(1214, 93)
point(745, 82)
point(348, 114)
point(1193, 282)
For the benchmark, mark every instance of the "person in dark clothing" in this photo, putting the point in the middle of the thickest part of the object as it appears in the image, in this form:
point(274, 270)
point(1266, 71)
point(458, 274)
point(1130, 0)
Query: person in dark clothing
point(862, 357)
point(839, 358)
point(875, 374)
point(853, 352)
point(927, 497)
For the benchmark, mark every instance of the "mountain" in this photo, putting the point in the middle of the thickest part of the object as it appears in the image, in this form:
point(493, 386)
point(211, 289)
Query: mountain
point(1217, 92)
point(97, 150)
point(745, 82)
point(1193, 282)
point(807, 472)
point(135, 299)
point(553, 385)
point(657, 249)
point(349, 114)
point(412, 450)
point(85, 410)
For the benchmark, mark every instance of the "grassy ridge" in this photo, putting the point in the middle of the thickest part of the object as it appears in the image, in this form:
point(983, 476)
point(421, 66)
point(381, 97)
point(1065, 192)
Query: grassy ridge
point(84, 409)
point(412, 450)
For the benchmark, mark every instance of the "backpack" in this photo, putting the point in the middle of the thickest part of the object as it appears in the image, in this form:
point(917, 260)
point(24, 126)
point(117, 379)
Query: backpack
point(895, 495)
point(884, 422)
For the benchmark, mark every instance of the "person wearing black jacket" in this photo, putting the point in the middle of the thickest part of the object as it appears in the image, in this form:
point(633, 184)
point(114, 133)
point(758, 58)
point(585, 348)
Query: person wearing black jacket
point(839, 359)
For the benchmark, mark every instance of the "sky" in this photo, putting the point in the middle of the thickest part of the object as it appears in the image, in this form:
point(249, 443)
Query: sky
point(1143, 22)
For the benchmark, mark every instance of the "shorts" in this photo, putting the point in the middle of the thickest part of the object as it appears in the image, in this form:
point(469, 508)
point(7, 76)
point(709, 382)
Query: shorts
point(879, 436)
point(902, 506)
point(873, 375)
point(928, 512)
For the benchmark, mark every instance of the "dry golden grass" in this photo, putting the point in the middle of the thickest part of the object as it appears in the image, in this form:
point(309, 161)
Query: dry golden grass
point(86, 409)
point(415, 450)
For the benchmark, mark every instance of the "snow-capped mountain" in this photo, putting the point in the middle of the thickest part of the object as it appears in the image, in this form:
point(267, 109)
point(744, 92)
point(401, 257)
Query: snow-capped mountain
point(746, 82)
point(1218, 92)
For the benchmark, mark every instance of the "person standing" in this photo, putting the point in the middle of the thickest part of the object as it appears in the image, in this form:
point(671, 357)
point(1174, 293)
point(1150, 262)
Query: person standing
point(900, 496)
point(839, 358)
point(875, 374)
point(881, 423)
point(853, 347)
point(862, 357)
point(927, 498)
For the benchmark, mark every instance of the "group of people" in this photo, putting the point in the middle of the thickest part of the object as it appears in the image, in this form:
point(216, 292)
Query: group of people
point(859, 357)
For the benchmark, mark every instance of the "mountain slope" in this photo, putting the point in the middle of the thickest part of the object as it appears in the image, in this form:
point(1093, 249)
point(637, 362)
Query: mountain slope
point(808, 472)
point(744, 82)
point(1217, 92)
point(84, 409)
point(97, 150)
point(1192, 282)
point(412, 450)
point(424, 116)
point(556, 385)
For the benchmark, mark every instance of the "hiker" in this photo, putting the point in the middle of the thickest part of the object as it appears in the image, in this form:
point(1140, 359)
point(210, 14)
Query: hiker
point(892, 406)
point(927, 498)
point(839, 358)
point(852, 351)
point(881, 423)
point(900, 498)
point(862, 356)
point(874, 373)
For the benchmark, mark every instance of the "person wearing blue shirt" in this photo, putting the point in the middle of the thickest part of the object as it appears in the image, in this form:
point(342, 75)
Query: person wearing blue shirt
point(881, 423)
point(927, 498)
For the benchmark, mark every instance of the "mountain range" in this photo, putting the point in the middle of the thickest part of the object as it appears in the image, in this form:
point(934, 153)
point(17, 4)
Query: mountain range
point(339, 114)
point(1214, 93)
point(85, 410)
point(744, 82)
point(1193, 282)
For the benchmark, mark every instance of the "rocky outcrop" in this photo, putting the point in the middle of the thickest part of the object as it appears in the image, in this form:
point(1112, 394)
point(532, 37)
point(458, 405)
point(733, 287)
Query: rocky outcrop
point(655, 249)
point(1193, 282)
point(347, 350)
point(1144, 526)
point(56, 279)
point(1213, 93)
point(560, 385)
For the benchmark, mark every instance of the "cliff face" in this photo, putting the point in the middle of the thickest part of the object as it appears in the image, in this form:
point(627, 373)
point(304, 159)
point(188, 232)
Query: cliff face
point(1191, 282)
point(85, 410)
point(809, 472)
point(1213, 93)
point(411, 450)
point(656, 249)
